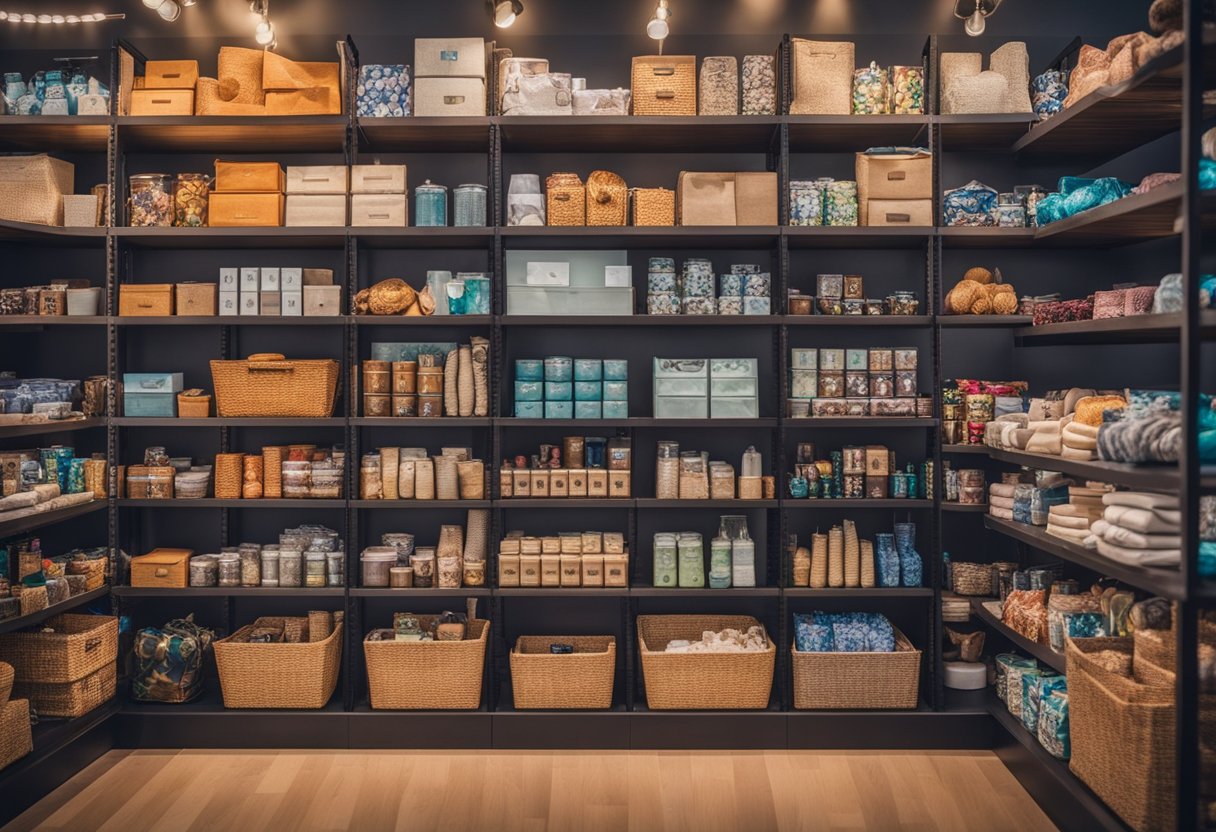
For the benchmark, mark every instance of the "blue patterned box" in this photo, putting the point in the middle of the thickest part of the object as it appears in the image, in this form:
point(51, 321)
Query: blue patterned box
point(529, 410)
point(559, 391)
point(559, 410)
point(616, 391)
point(757, 306)
point(616, 369)
point(730, 285)
point(588, 391)
point(528, 391)
point(588, 369)
point(588, 410)
point(384, 91)
point(616, 410)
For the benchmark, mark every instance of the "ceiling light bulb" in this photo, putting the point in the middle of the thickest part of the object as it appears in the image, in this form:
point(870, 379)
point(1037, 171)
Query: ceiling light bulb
point(264, 37)
point(153, 4)
point(504, 12)
point(658, 28)
point(263, 26)
point(975, 24)
point(58, 18)
point(169, 11)
point(187, 2)
point(44, 18)
point(86, 18)
point(73, 19)
point(28, 18)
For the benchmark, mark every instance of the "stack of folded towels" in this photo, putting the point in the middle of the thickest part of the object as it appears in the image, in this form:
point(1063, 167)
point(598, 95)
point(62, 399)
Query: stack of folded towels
point(1138, 528)
point(1000, 500)
point(1071, 521)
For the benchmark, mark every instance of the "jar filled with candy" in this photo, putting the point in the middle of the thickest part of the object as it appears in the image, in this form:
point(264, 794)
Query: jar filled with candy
point(151, 201)
point(191, 193)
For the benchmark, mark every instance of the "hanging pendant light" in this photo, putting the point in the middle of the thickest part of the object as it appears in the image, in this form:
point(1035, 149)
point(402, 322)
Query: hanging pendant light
point(504, 12)
point(975, 15)
point(658, 28)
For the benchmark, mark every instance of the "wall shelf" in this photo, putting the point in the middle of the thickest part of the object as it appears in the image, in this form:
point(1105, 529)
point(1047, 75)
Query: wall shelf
point(30, 522)
point(1042, 652)
point(76, 134)
point(48, 428)
point(75, 602)
point(233, 134)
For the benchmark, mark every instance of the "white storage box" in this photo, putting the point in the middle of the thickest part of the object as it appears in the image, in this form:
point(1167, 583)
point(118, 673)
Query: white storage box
point(450, 96)
point(316, 210)
point(369, 210)
point(317, 179)
point(449, 57)
point(378, 179)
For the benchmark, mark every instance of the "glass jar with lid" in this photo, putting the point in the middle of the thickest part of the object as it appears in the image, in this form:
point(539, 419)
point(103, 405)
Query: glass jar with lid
point(691, 556)
point(191, 195)
point(470, 205)
point(314, 569)
point(430, 205)
point(665, 569)
point(229, 570)
point(151, 201)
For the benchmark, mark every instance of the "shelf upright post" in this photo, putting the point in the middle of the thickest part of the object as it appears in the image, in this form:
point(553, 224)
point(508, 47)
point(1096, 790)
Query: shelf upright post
point(781, 344)
point(933, 291)
point(350, 358)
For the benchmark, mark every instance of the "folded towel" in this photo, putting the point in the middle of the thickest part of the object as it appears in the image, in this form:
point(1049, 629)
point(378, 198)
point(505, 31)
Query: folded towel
point(1082, 429)
point(1134, 540)
point(1044, 442)
point(1074, 439)
point(1001, 502)
point(1051, 426)
point(1140, 557)
point(1001, 489)
point(1148, 521)
point(1140, 499)
point(1066, 522)
point(1000, 513)
point(1019, 419)
point(1020, 437)
point(1074, 453)
point(1071, 535)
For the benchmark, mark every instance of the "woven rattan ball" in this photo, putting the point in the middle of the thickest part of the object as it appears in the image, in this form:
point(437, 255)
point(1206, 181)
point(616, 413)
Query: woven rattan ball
point(391, 297)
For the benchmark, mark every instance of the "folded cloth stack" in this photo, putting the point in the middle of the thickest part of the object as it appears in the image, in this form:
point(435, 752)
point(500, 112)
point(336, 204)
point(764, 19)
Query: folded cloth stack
point(1139, 528)
point(1045, 437)
point(1071, 521)
point(39, 499)
point(1008, 432)
point(1079, 434)
point(1000, 500)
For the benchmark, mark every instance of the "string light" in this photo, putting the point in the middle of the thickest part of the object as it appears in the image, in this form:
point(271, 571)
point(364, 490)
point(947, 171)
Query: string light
point(56, 19)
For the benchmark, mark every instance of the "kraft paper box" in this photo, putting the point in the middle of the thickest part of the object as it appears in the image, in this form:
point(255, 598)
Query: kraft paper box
point(245, 210)
point(386, 210)
point(316, 210)
point(318, 179)
point(450, 97)
point(378, 179)
point(756, 198)
point(897, 212)
point(901, 176)
point(706, 198)
point(449, 57)
point(162, 102)
point(170, 75)
point(248, 177)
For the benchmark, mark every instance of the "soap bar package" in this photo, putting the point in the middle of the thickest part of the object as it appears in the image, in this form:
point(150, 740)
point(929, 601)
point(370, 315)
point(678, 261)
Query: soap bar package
point(383, 91)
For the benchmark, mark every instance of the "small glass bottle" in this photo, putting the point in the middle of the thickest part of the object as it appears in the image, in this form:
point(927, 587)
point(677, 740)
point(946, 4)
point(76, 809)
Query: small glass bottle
point(470, 205)
point(430, 205)
point(691, 555)
point(753, 463)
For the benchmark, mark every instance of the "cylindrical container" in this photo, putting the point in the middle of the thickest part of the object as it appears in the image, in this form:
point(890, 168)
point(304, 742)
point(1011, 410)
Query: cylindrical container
point(430, 406)
point(840, 203)
point(430, 205)
point(291, 567)
point(691, 554)
point(400, 577)
point(376, 562)
point(743, 561)
point(377, 377)
point(719, 563)
point(595, 452)
point(402, 542)
point(314, 569)
point(405, 406)
point(151, 201)
point(251, 564)
point(334, 570)
point(270, 566)
point(205, 570)
point(191, 195)
point(430, 381)
point(229, 570)
point(665, 569)
point(405, 377)
point(474, 573)
point(470, 205)
point(423, 562)
point(377, 406)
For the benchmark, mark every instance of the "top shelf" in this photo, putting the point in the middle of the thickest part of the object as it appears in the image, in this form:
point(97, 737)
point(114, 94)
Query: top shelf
point(608, 134)
point(41, 133)
point(233, 134)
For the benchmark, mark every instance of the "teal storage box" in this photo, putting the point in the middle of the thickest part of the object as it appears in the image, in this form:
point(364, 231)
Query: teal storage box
point(588, 391)
point(559, 368)
point(559, 391)
point(587, 410)
point(559, 410)
point(615, 410)
point(150, 405)
point(528, 391)
point(616, 369)
point(152, 382)
point(588, 369)
point(529, 410)
point(529, 369)
point(616, 391)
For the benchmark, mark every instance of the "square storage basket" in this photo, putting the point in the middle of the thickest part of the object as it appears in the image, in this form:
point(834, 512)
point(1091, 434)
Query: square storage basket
point(268, 385)
point(849, 681)
point(702, 681)
point(427, 675)
point(301, 676)
point(556, 681)
point(81, 645)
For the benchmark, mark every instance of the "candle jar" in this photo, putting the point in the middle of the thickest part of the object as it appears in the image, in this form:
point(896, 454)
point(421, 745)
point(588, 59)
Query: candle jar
point(204, 570)
point(270, 566)
point(151, 201)
point(691, 556)
point(423, 562)
point(470, 205)
point(191, 194)
point(334, 570)
point(314, 569)
point(719, 563)
point(430, 205)
point(251, 564)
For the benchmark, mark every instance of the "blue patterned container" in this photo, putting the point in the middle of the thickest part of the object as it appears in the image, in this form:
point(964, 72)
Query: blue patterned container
point(973, 205)
point(840, 204)
point(806, 202)
point(383, 91)
point(430, 205)
point(529, 369)
point(616, 369)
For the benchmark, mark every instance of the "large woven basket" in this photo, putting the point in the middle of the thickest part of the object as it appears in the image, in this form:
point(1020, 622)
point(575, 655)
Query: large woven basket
point(702, 681)
point(80, 645)
point(823, 77)
point(268, 385)
point(427, 675)
point(582, 679)
point(16, 738)
point(6, 681)
point(32, 188)
point(1122, 733)
point(565, 199)
point(665, 85)
point(70, 699)
point(299, 676)
point(874, 681)
point(972, 578)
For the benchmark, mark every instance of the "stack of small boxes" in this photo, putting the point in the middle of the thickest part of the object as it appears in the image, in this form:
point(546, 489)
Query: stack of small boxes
point(246, 194)
point(168, 89)
point(840, 293)
point(745, 291)
point(378, 196)
point(590, 559)
point(700, 388)
point(384, 91)
point(274, 290)
point(450, 77)
point(571, 388)
point(151, 395)
point(880, 381)
point(316, 195)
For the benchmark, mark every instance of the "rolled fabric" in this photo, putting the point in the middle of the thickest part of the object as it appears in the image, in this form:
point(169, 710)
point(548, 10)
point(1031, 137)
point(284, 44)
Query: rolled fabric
point(24, 499)
point(1001, 502)
point(1021, 437)
point(1076, 453)
point(1000, 513)
point(1001, 489)
point(1047, 426)
point(1082, 429)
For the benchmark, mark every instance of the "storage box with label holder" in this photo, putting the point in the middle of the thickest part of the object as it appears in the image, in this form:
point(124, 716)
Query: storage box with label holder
point(898, 212)
point(246, 210)
point(316, 210)
point(196, 299)
point(318, 179)
point(162, 568)
point(145, 299)
point(665, 85)
point(385, 210)
point(450, 96)
point(249, 177)
point(162, 102)
point(378, 179)
point(901, 176)
point(450, 57)
point(170, 75)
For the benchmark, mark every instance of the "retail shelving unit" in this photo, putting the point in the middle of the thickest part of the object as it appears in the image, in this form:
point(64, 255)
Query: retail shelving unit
point(358, 257)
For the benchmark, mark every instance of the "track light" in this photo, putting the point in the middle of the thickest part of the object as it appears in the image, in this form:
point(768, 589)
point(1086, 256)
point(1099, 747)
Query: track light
point(975, 18)
point(263, 29)
point(504, 12)
point(168, 10)
point(19, 17)
point(658, 28)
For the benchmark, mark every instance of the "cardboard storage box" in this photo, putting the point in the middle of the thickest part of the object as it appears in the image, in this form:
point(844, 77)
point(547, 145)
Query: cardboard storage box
point(727, 198)
point(450, 97)
point(162, 102)
point(245, 210)
point(450, 57)
point(249, 177)
point(162, 568)
point(145, 299)
point(316, 210)
point(379, 210)
point(322, 301)
point(317, 179)
point(196, 299)
point(897, 212)
point(378, 179)
point(170, 75)
point(756, 198)
point(898, 176)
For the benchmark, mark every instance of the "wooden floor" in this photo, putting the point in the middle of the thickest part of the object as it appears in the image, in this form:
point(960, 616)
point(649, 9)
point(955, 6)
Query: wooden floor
point(698, 791)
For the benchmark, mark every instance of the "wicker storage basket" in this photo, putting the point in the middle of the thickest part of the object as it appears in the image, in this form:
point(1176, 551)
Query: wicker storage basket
point(582, 679)
point(1114, 721)
point(874, 681)
point(16, 738)
point(427, 675)
point(972, 579)
point(240, 75)
point(193, 404)
point(70, 699)
point(268, 385)
point(653, 206)
point(702, 681)
point(6, 681)
point(607, 199)
point(299, 676)
point(566, 199)
point(823, 77)
point(32, 188)
point(229, 476)
point(80, 645)
point(666, 85)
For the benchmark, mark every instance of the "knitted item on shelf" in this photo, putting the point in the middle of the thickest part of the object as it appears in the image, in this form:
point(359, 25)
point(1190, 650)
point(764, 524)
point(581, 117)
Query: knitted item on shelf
point(911, 567)
point(819, 561)
point(451, 384)
point(852, 555)
point(1156, 438)
point(887, 558)
point(835, 557)
point(464, 379)
point(481, 376)
point(867, 564)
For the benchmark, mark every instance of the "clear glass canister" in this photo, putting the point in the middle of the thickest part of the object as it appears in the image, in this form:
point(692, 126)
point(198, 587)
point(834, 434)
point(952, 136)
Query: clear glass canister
point(667, 471)
point(291, 567)
point(720, 562)
point(204, 570)
point(270, 566)
point(430, 205)
point(314, 569)
point(665, 573)
point(151, 200)
point(191, 194)
point(251, 564)
point(230, 570)
point(470, 205)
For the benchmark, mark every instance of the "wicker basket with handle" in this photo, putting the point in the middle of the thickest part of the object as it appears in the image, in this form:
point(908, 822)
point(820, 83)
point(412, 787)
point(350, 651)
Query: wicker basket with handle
point(607, 199)
point(566, 199)
point(665, 85)
point(427, 675)
point(823, 77)
point(70, 699)
point(702, 681)
point(268, 385)
point(193, 404)
point(582, 679)
point(874, 681)
point(278, 675)
point(78, 646)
